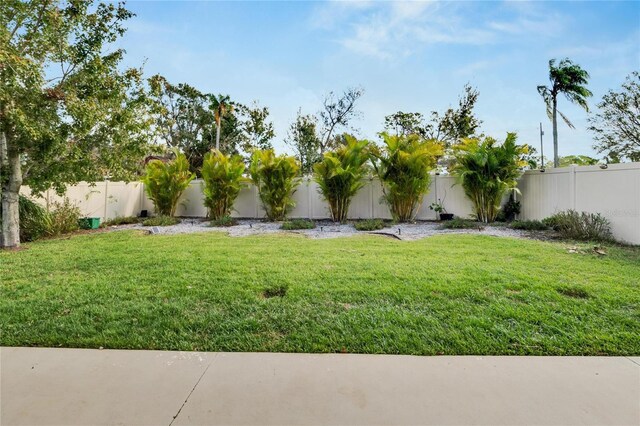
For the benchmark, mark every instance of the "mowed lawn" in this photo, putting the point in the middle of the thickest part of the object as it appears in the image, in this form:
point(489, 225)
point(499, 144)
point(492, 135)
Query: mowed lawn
point(449, 294)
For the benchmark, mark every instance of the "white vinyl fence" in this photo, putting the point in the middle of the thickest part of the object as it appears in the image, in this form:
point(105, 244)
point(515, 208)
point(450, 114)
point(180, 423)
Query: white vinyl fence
point(613, 192)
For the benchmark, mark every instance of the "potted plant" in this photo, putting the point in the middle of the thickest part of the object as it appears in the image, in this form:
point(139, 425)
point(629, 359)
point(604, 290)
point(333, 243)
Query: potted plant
point(442, 212)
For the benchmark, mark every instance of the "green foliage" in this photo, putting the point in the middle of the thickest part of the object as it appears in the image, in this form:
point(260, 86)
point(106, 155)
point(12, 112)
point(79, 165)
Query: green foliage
point(120, 220)
point(36, 222)
point(459, 223)
point(578, 160)
point(528, 225)
point(340, 175)
point(486, 170)
point(63, 218)
point(165, 183)
point(223, 180)
point(276, 178)
point(182, 119)
point(583, 226)
point(403, 166)
point(369, 225)
point(302, 137)
point(293, 224)
point(405, 123)
point(161, 221)
point(68, 107)
point(509, 210)
point(257, 130)
point(455, 124)
point(616, 126)
point(570, 80)
point(224, 221)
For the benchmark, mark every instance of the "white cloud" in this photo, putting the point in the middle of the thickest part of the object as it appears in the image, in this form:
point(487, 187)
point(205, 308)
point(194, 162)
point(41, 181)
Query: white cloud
point(387, 30)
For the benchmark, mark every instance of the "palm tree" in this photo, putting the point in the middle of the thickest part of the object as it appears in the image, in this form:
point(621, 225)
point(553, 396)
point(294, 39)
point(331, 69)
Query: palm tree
point(221, 106)
point(570, 80)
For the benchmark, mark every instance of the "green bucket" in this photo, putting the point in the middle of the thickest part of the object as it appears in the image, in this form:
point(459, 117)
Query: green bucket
point(89, 222)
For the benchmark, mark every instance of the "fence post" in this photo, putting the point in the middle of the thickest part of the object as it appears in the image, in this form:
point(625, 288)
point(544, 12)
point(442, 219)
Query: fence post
point(572, 186)
point(256, 199)
point(106, 197)
point(371, 196)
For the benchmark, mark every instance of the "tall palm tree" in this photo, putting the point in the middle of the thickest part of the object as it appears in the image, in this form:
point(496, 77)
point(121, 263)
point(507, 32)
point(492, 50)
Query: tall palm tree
point(570, 80)
point(221, 106)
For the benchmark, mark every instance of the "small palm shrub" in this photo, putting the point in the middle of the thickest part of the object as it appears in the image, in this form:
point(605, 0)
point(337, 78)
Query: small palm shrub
point(403, 166)
point(486, 170)
point(291, 225)
point(223, 180)
point(276, 178)
point(580, 226)
point(369, 225)
point(161, 221)
point(165, 183)
point(340, 175)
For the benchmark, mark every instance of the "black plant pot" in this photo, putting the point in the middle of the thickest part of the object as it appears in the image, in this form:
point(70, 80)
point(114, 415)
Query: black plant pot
point(446, 216)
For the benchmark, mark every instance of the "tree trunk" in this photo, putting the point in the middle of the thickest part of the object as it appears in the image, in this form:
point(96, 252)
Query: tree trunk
point(556, 160)
point(10, 159)
point(218, 135)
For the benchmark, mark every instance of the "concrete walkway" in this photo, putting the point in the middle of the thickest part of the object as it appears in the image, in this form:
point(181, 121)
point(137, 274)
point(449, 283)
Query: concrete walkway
point(82, 387)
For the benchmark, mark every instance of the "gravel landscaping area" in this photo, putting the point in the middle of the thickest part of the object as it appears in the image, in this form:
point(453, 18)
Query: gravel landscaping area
point(328, 229)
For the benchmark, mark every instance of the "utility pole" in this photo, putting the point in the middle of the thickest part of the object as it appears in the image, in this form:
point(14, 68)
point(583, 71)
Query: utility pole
point(541, 148)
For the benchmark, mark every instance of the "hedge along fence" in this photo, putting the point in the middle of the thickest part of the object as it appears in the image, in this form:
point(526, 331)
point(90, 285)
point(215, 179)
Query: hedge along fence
point(613, 192)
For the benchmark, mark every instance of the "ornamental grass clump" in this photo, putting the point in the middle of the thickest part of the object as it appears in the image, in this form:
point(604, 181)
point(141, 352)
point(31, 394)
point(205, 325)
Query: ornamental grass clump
point(165, 183)
point(223, 180)
point(486, 170)
point(403, 166)
point(340, 175)
point(276, 178)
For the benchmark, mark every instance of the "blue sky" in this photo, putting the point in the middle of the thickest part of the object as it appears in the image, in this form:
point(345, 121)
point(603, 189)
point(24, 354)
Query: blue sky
point(409, 56)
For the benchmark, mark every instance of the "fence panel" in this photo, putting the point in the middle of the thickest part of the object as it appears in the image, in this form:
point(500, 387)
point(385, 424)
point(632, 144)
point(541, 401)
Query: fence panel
point(613, 192)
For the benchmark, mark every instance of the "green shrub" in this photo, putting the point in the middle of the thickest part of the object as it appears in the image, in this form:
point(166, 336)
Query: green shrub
point(276, 178)
point(528, 225)
point(509, 211)
point(298, 224)
point(580, 226)
point(165, 183)
point(403, 167)
point(120, 220)
point(486, 170)
point(459, 223)
point(369, 225)
point(223, 180)
point(161, 221)
point(224, 221)
point(62, 218)
point(33, 219)
point(340, 175)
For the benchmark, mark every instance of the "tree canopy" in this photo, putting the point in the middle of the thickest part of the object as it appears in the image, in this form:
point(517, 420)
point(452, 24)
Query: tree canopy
point(616, 125)
point(68, 111)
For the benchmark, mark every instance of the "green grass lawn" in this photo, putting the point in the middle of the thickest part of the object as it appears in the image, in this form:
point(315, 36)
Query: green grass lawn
point(449, 294)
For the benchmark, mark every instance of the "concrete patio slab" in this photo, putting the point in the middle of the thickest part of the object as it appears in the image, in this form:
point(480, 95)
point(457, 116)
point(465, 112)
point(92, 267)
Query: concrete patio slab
point(77, 386)
point(370, 389)
point(41, 386)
